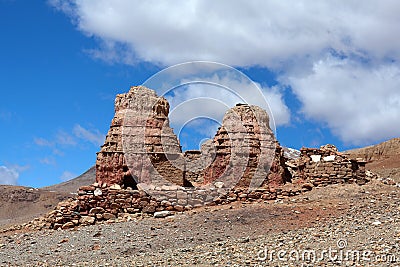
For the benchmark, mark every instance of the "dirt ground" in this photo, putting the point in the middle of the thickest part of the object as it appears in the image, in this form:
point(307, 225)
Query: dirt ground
point(228, 235)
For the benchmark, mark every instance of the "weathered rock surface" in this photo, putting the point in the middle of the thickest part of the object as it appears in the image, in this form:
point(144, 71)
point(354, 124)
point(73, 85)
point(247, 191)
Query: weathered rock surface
point(140, 146)
point(382, 158)
point(380, 151)
point(244, 148)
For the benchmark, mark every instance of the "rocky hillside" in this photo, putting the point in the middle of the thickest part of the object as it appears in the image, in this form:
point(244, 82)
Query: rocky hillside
point(71, 186)
point(382, 158)
point(21, 204)
point(380, 151)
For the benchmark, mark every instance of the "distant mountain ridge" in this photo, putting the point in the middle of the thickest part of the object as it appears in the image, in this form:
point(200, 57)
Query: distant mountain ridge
point(380, 151)
point(20, 204)
point(71, 186)
point(383, 158)
point(291, 153)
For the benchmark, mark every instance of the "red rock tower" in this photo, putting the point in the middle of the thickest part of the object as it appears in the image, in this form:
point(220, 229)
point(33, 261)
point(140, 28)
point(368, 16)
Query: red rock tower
point(140, 146)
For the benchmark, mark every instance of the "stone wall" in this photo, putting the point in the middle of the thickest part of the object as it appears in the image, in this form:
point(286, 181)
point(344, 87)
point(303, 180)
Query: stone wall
point(97, 204)
point(327, 166)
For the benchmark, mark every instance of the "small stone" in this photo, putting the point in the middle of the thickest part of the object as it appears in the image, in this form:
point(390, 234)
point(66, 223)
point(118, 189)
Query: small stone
point(244, 240)
point(98, 192)
point(219, 184)
point(162, 214)
point(97, 234)
point(307, 186)
point(68, 225)
point(64, 240)
point(96, 210)
point(108, 216)
point(86, 220)
point(182, 202)
point(96, 247)
point(376, 223)
point(57, 226)
point(115, 187)
point(179, 208)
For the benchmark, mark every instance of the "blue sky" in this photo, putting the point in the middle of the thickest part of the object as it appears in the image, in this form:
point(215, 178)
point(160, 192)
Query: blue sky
point(330, 72)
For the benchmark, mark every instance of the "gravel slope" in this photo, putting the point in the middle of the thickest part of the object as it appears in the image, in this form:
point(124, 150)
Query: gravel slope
point(358, 219)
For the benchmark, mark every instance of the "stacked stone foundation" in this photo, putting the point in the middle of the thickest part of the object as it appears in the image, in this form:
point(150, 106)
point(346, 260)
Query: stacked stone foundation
point(96, 204)
point(326, 166)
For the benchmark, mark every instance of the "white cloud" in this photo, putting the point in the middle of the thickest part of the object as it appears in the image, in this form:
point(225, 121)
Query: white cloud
point(48, 161)
point(8, 176)
point(213, 100)
point(66, 176)
point(241, 33)
point(359, 103)
point(64, 138)
point(94, 136)
point(354, 93)
point(61, 138)
point(42, 142)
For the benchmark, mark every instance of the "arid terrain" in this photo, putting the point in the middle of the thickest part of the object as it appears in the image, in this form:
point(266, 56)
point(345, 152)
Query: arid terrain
point(330, 223)
point(20, 204)
point(382, 159)
point(347, 218)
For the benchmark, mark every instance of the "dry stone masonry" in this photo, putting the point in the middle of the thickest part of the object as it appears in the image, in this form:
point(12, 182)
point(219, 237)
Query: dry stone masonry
point(97, 204)
point(327, 166)
point(140, 147)
point(141, 170)
point(245, 148)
